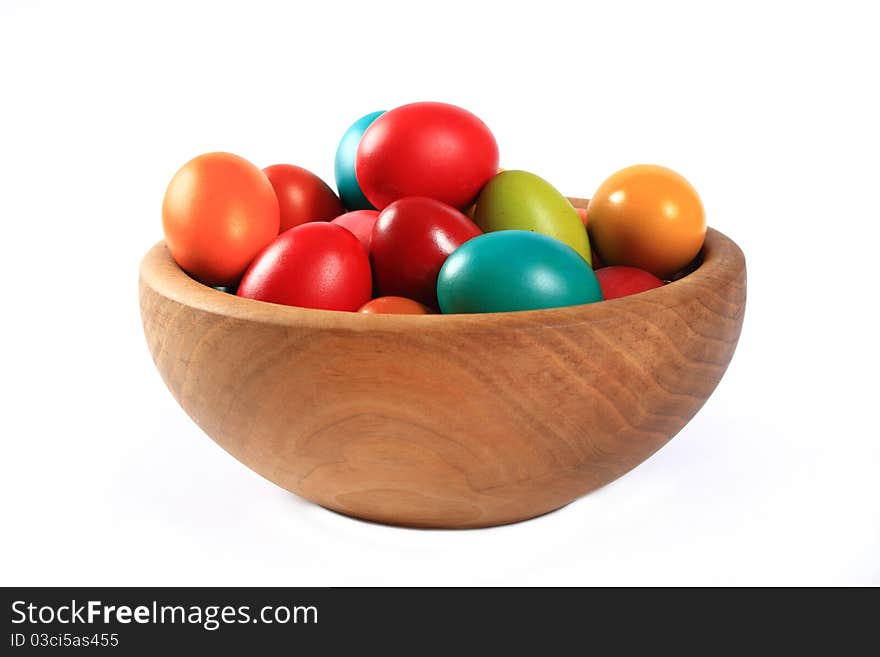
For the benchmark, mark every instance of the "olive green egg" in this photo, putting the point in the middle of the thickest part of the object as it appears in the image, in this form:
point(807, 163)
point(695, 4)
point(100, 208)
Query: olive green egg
point(519, 200)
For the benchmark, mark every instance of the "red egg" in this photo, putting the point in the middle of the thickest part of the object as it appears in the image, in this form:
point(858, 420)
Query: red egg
point(619, 281)
point(582, 213)
point(426, 149)
point(394, 306)
point(302, 196)
point(411, 240)
point(360, 223)
point(315, 265)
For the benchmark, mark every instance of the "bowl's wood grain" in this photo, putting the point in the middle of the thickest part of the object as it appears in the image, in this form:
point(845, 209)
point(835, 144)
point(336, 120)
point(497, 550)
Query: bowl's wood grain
point(445, 421)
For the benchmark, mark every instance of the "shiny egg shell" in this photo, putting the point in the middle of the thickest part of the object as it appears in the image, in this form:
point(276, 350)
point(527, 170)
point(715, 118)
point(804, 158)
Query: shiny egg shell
point(511, 270)
point(519, 200)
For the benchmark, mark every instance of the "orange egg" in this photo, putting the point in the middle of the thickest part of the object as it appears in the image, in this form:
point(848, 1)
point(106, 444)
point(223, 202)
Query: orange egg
point(649, 217)
point(218, 213)
point(394, 306)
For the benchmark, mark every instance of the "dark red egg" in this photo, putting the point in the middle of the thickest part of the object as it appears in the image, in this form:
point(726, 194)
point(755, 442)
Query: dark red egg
point(411, 240)
point(302, 196)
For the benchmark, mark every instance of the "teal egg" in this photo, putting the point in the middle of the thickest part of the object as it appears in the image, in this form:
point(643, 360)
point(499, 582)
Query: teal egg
point(511, 270)
point(346, 180)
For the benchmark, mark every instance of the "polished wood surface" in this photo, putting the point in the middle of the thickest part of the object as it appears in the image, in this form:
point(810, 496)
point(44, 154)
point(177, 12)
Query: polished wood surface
point(445, 420)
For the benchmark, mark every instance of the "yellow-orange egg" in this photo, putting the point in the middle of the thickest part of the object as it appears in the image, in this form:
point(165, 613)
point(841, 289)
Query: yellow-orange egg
point(649, 217)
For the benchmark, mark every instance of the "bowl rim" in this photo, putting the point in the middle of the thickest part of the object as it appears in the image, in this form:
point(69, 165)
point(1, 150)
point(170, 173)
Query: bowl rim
point(722, 263)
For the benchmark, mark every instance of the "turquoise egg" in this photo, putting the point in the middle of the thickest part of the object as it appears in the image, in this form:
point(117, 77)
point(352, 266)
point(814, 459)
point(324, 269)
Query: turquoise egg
point(511, 270)
point(346, 180)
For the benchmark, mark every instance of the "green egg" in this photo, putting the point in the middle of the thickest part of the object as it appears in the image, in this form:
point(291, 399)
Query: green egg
point(519, 200)
point(512, 270)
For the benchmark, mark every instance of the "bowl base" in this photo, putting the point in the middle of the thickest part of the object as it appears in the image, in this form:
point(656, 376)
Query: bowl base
point(439, 526)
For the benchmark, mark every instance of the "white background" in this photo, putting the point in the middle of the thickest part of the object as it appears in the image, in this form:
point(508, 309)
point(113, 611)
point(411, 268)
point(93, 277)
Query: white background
point(770, 109)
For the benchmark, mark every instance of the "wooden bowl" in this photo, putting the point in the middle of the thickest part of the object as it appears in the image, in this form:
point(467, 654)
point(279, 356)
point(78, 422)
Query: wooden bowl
point(445, 420)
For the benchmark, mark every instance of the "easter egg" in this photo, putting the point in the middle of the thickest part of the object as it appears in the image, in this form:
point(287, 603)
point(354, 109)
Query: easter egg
point(426, 149)
point(313, 265)
point(411, 240)
point(582, 213)
point(360, 223)
point(394, 306)
point(619, 281)
point(649, 217)
point(219, 211)
point(302, 196)
point(514, 270)
point(519, 200)
point(471, 210)
point(346, 179)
